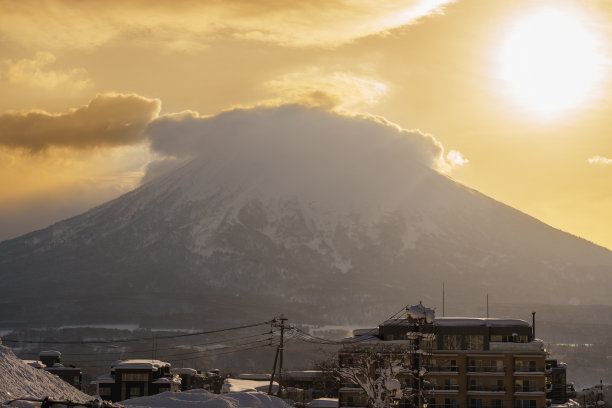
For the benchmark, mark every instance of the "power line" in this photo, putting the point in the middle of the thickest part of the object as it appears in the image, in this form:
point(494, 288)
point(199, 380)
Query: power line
point(134, 339)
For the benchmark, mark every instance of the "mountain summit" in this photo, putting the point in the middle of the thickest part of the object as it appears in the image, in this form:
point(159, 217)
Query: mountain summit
point(329, 218)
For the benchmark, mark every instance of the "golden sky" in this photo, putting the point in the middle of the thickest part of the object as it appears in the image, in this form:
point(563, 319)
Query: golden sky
point(518, 93)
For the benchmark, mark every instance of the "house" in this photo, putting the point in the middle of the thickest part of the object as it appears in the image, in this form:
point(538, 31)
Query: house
point(136, 378)
point(50, 361)
point(463, 362)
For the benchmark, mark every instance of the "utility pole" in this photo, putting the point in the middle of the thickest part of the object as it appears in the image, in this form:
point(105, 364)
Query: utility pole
point(279, 321)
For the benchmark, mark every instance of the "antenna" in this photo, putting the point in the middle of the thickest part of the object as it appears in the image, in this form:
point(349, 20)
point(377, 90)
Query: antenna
point(442, 298)
point(487, 305)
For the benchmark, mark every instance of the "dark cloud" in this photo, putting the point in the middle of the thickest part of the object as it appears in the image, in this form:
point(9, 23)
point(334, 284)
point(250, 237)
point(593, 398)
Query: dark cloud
point(107, 121)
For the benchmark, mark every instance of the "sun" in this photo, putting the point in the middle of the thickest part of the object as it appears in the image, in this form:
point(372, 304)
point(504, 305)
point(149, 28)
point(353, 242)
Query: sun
point(551, 62)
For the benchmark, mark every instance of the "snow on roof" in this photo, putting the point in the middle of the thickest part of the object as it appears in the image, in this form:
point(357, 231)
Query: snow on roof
point(18, 379)
point(362, 332)
point(152, 365)
point(238, 385)
point(323, 403)
point(34, 363)
point(168, 380)
point(205, 399)
point(50, 353)
point(480, 321)
point(184, 371)
point(104, 379)
point(256, 377)
point(310, 374)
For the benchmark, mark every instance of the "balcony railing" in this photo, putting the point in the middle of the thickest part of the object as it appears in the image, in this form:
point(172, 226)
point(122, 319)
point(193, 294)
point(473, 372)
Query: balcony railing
point(486, 369)
point(527, 368)
point(522, 388)
point(496, 388)
point(442, 368)
point(441, 387)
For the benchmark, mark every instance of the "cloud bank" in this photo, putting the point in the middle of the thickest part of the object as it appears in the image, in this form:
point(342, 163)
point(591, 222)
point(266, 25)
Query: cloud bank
point(292, 140)
point(107, 121)
point(35, 72)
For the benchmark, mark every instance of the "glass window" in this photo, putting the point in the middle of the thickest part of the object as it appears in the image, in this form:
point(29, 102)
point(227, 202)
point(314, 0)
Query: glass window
point(134, 392)
point(474, 342)
point(141, 377)
point(450, 402)
point(475, 403)
point(105, 391)
point(497, 403)
point(451, 342)
point(449, 365)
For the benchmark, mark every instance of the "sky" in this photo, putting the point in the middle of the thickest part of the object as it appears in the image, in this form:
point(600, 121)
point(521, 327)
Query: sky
point(516, 94)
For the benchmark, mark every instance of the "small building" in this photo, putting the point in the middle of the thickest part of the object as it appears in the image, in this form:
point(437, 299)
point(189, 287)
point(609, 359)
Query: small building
point(50, 361)
point(191, 378)
point(136, 378)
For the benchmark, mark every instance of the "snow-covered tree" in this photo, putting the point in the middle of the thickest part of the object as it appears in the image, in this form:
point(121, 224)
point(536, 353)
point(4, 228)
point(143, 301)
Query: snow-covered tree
point(384, 374)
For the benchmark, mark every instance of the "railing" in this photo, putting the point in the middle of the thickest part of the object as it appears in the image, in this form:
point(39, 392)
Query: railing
point(497, 388)
point(442, 368)
point(486, 369)
point(442, 387)
point(443, 406)
point(527, 368)
point(522, 388)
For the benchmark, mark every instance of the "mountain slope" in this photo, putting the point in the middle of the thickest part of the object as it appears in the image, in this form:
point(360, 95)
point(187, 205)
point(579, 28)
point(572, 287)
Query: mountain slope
point(327, 233)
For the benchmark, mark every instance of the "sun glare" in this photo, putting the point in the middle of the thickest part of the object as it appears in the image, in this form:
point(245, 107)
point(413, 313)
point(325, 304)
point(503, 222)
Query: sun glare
point(551, 62)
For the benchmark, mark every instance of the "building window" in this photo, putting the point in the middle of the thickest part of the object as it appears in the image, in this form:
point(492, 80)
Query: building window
point(449, 365)
point(451, 342)
point(76, 380)
point(498, 385)
point(450, 403)
point(140, 377)
point(497, 403)
point(474, 342)
point(475, 403)
point(475, 366)
point(135, 392)
point(526, 366)
point(525, 404)
point(105, 392)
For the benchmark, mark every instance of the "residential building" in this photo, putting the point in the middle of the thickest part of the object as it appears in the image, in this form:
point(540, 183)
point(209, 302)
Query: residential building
point(457, 363)
point(136, 378)
point(50, 361)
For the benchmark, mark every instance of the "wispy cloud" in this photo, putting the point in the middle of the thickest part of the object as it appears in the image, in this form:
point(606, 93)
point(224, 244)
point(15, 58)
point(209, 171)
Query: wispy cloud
point(599, 160)
point(36, 72)
point(108, 120)
point(187, 24)
point(314, 86)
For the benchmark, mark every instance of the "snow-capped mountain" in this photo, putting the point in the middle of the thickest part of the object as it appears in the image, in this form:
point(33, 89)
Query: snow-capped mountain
point(324, 232)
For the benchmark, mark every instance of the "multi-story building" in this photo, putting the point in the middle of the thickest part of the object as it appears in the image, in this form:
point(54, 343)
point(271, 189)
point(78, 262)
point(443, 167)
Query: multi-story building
point(136, 378)
point(456, 363)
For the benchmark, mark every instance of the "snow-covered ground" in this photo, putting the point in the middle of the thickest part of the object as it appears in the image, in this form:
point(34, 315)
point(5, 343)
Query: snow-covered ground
point(19, 380)
point(205, 399)
point(240, 385)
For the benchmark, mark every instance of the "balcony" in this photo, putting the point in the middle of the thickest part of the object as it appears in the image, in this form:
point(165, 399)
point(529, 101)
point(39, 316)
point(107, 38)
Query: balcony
point(479, 389)
point(528, 389)
point(441, 389)
point(486, 369)
point(433, 369)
